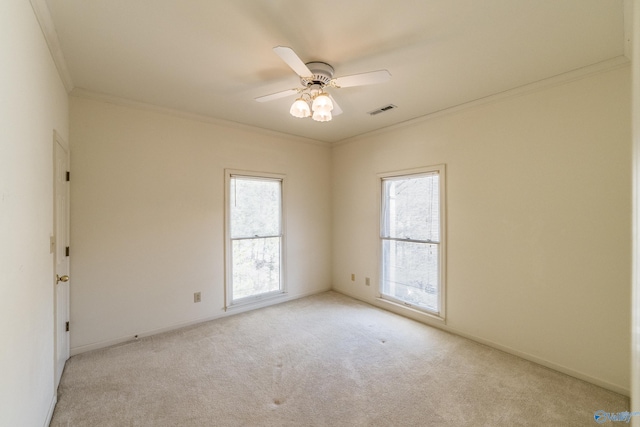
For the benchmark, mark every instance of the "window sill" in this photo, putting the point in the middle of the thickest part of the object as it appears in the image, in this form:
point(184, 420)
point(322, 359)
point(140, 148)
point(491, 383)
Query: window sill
point(256, 302)
point(422, 315)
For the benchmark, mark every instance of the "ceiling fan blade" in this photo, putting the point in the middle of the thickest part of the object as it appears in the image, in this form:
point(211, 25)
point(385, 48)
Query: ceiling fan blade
point(370, 78)
point(336, 108)
point(291, 58)
point(277, 95)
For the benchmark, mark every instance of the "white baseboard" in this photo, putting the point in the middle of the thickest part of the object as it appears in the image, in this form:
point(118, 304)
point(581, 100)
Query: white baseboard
point(108, 343)
point(52, 407)
point(543, 362)
point(437, 324)
point(530, 357)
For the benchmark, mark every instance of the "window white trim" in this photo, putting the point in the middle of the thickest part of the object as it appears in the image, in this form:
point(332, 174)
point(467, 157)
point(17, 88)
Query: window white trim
point(228, 288)
point(424, 171)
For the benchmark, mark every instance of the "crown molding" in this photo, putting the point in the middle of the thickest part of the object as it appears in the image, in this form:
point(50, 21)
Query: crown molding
point(111, 99)
point(560, 79)
point(43, 15)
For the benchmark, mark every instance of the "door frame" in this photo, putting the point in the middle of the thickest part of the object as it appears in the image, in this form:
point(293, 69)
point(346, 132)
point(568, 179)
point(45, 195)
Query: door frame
point(59, 141)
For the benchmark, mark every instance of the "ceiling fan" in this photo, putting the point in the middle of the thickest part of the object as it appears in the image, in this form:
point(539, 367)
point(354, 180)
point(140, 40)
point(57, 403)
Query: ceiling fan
point(315, 77)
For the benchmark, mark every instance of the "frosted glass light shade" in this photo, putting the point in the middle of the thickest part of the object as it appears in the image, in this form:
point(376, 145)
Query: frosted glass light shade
point(321, 115)
point(322, 102)
point(300, 109)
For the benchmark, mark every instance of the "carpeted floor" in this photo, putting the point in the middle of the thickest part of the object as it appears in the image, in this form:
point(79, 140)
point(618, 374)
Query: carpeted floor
point(325, 360)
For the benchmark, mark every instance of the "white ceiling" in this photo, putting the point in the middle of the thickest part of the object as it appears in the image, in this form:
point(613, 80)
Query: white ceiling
point(213, 57)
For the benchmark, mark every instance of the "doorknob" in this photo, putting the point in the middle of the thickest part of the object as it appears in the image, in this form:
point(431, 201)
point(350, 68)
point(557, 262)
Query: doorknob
point(64, 278)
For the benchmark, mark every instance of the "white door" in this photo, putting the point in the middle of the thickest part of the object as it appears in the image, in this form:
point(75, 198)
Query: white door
point(61, 254)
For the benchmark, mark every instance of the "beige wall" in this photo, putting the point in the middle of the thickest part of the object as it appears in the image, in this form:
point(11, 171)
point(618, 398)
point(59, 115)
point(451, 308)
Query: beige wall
point(33, 103)
point(635, 329)
point(539, 221)
point(147, 228)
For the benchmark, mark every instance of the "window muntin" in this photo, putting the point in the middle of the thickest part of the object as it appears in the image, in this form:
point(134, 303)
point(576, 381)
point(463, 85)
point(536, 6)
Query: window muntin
point(412, 224)
point(255, 236)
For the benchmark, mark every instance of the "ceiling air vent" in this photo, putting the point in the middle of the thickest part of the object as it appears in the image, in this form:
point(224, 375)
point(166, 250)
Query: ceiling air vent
point(382, 109)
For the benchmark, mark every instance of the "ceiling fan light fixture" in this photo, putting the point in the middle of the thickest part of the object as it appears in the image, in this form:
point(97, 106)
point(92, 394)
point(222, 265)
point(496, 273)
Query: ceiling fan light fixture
point(300, 109)
point(322, 102)
point(321, 115)
point(314, 77)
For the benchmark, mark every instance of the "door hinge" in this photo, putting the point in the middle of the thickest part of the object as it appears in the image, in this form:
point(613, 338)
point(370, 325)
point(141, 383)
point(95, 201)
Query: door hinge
point(66, 251)
point(68, 176)
point(66, 327)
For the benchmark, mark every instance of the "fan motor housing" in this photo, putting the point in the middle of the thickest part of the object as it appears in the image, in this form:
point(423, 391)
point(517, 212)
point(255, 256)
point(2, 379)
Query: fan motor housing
point(322, 74)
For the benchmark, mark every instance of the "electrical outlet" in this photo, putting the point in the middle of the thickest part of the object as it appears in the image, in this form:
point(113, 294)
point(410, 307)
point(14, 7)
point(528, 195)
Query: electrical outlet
point(353, 277)
point(367, 281)
point(197, 297)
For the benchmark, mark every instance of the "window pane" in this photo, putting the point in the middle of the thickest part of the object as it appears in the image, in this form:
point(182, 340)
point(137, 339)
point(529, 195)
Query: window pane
point(410, 272)
point(255, 207)
point(255, 266)
point(411, 208)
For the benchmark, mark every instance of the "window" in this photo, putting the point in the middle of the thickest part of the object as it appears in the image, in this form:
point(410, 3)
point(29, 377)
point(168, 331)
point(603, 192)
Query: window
point(412, 239)
point(255, 238)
